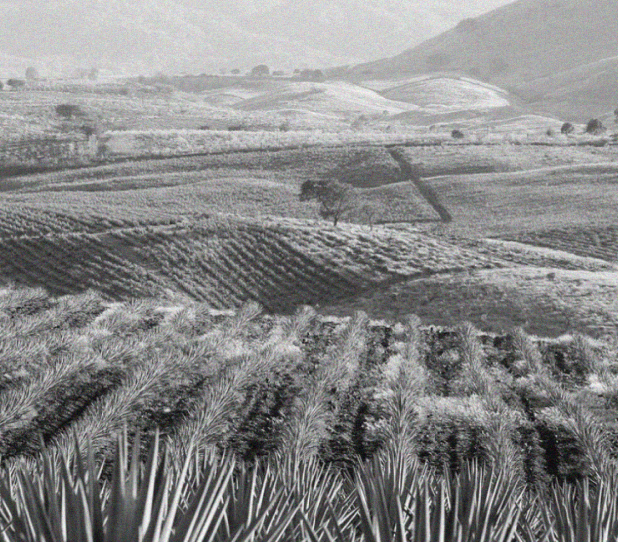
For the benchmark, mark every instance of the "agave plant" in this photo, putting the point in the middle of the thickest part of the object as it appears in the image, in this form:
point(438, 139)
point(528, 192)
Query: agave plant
point(154, 501)
point(413, 505)
point(584, 512)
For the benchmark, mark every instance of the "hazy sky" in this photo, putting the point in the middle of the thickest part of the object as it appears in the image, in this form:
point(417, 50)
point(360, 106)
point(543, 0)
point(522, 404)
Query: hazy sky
point(152, 35)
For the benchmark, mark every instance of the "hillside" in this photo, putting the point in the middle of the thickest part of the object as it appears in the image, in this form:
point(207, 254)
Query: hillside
point(148, 36)
point(557, 55)
point(164, 227)
point(331, 98)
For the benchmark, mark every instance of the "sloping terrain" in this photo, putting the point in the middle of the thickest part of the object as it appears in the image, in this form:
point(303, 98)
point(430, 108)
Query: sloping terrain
point(545, 301)
point(338, 98)
point(507, 203)
point(228, 262)
point(553, 53)
point(445, 94)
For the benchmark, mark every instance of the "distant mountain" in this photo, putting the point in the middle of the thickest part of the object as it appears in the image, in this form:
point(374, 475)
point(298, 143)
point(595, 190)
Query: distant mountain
point(560, 56)
point(194, 35)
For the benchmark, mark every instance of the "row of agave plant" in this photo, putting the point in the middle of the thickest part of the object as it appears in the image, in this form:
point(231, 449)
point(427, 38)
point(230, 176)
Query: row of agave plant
point(157, 496)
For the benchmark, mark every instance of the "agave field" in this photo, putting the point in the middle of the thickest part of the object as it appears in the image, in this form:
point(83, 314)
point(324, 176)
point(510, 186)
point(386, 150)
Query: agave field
point(164, 419)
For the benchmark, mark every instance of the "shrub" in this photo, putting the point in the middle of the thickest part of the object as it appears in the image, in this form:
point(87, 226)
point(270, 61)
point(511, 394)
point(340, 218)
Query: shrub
point(16, 84)
point(261, 70)
point(594, 126)
point(567, 128)
point(32, 73)
point(89, 130)
point(312, 75)
point(457, 134)
point(68, 111)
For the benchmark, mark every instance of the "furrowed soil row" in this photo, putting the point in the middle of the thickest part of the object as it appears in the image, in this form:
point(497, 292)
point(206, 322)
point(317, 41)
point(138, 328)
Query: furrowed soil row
point(268, 261)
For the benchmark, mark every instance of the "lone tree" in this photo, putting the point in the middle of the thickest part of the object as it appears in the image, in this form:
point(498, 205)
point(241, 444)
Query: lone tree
point(457, 134)
point(336, 199)
point(567, 128)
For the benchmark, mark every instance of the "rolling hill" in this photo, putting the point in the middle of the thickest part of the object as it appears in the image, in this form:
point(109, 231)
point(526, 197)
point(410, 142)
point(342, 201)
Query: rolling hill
point(147, 36)
point(559, 56)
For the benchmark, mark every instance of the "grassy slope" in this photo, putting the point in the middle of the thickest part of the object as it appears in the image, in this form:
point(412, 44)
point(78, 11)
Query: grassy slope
point(140, 228)
point(503, 157)
point(507, 203)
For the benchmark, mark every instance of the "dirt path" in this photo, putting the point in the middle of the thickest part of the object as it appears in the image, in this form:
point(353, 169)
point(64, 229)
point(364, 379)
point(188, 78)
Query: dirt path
point(426, 191)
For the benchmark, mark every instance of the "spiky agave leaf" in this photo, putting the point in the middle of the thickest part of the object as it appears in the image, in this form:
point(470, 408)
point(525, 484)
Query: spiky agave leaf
point(584, 512)
point(383, 489)
point(477, 505)
point(145, 502)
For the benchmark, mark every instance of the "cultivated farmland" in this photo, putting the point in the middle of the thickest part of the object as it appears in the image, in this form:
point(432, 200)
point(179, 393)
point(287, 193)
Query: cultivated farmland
point(174, 284)
point(316, 394)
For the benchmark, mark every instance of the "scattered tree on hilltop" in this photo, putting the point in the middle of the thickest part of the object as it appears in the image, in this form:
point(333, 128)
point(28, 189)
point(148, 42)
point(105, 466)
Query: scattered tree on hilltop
point(336, 199)
point(32, 74)
point(235, 71)
point(457, 134)
point(316, 76)
point(567, 128)
point(594, 126)
point(261, 70)
point(368, 214)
